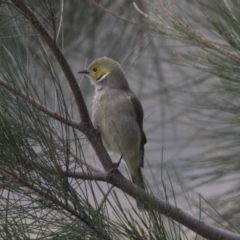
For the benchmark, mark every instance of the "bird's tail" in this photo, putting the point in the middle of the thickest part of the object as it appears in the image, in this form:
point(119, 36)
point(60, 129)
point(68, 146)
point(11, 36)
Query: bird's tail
point(137, 178)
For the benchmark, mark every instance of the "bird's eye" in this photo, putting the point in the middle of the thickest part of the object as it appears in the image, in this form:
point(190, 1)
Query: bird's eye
point(95, 69)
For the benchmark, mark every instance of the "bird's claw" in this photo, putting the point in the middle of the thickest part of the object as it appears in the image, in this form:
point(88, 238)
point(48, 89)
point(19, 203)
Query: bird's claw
point(114, 166)
point(97, 130)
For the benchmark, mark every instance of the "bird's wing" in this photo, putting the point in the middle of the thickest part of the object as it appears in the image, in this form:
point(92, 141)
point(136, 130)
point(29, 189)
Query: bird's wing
point(139, 112)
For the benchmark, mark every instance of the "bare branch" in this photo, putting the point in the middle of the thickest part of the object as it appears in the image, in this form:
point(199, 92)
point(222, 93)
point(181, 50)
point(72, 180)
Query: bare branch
point(100, 176)
point(87, 127)
point(29, 14)
point(149, 201)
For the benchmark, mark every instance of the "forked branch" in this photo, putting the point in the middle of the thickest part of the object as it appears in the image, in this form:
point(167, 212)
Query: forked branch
point(116, 178)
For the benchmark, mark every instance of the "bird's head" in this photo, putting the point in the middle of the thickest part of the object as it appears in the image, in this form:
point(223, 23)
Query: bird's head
point(106, 72)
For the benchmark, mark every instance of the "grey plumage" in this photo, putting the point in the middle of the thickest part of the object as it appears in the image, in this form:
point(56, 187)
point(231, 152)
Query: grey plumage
point(118, 114)
point(114, 115)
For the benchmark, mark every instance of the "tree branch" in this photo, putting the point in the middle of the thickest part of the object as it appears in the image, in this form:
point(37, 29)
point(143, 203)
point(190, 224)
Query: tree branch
point(29, 14)
point(116, 178)
point(200, 227)
point(45, 194)
point(87, 127)
point(40, 107)
point(99, 176)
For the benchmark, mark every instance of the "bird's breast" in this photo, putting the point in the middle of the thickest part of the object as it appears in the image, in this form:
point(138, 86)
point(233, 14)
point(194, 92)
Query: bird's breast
point(104, 116)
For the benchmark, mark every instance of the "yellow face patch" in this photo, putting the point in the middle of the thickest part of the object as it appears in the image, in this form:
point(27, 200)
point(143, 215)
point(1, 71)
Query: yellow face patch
point(96, 70)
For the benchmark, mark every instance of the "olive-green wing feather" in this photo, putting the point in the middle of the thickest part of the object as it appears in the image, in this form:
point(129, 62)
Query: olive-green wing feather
point(139, 112)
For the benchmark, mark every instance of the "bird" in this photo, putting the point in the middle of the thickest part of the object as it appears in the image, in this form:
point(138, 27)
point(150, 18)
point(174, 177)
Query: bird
point(118, 115)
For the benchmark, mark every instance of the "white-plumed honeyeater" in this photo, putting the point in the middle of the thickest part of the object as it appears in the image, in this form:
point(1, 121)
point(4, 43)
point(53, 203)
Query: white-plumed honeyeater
point(118, 114)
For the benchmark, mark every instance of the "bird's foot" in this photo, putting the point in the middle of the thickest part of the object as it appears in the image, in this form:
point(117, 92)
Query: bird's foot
point(115, 166)
point(97, 130)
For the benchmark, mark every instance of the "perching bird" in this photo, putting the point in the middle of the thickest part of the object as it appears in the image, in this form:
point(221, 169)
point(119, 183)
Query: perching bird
point(118, 114)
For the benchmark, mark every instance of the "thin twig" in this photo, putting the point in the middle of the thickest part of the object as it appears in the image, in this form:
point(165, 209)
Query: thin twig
point(52, 18)
point(40, 107)
point(46, 194)
point(60, 21)
point(29, 14)
point(123, 18)
point(89, 166)
point(183, 29)
point(105, 198)
point(87, 127)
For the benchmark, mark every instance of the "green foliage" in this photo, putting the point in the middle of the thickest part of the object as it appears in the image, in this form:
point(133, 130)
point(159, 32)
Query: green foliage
point(211, 45)
point(38, 199)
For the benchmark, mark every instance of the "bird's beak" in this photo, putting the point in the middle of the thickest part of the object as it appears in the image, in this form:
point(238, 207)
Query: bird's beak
point(84, 72)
